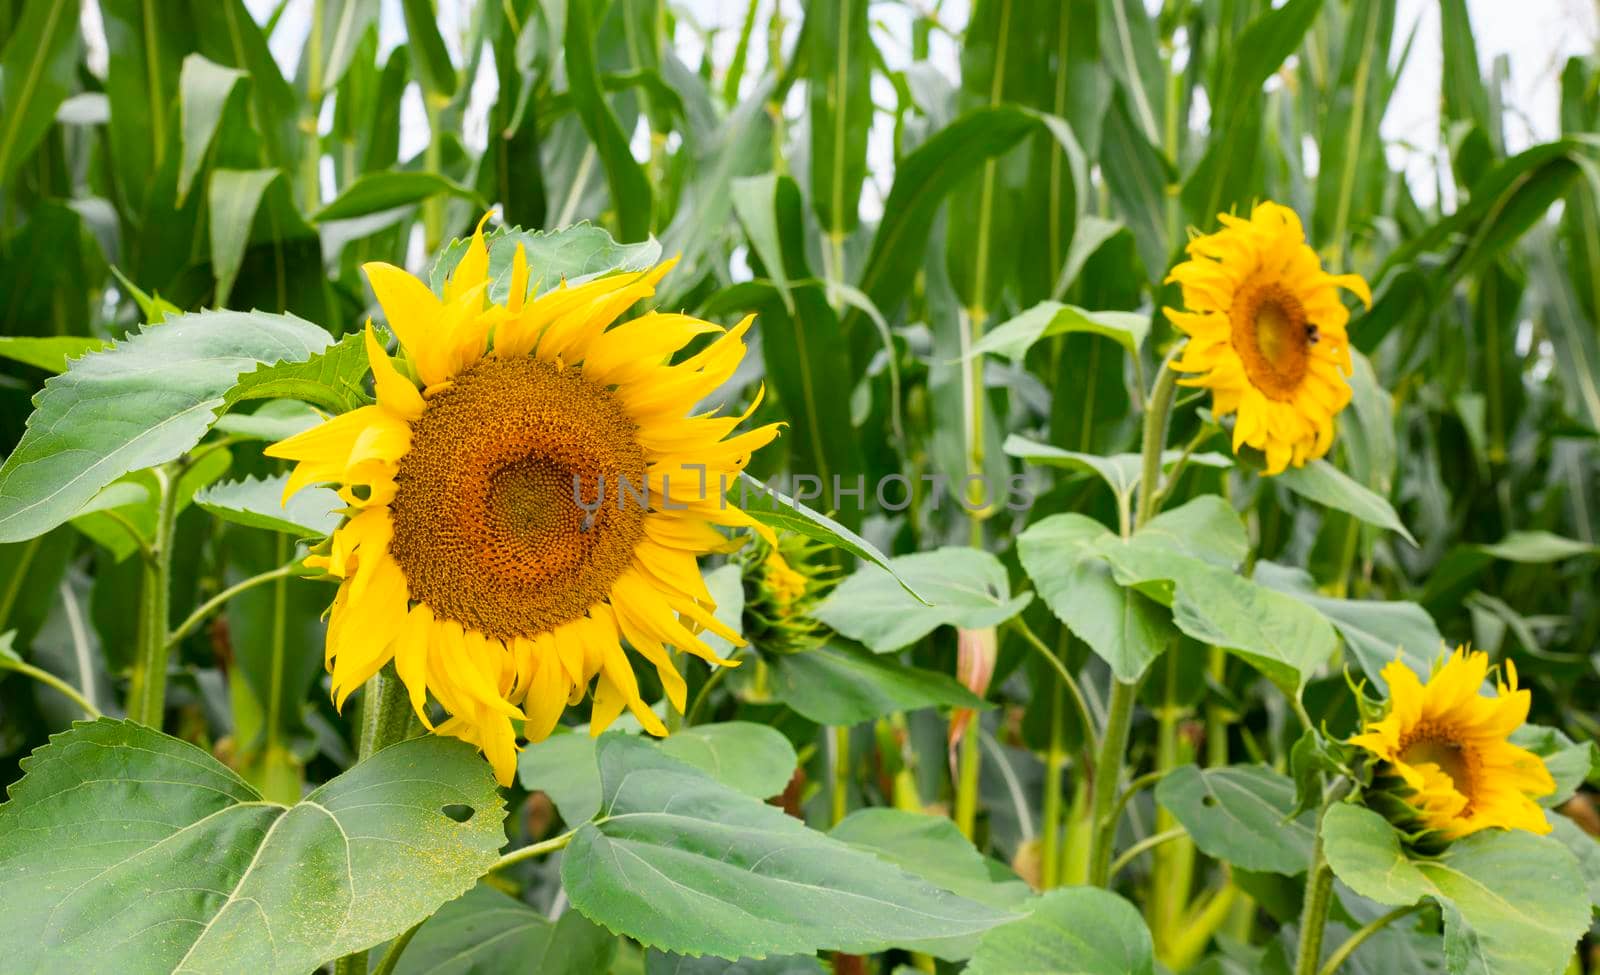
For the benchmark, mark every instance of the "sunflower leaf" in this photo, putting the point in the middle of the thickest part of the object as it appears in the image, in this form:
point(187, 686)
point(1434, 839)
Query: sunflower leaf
point(787, 514)
point(842, 684)
point(1507, 895)
point(675, 857)
point(487, 931)
point(754, 759)
point(258, 503)
point(1326, 484)
point(1014, 337)
point(1125, 628)
point(142, 402)
point(957, 586)
point(1073, 931)
point(572, 254)
point(1240, 814)
point(130, 831)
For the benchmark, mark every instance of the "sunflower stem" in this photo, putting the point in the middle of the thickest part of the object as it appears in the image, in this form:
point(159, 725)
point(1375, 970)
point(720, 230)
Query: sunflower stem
point(1319, 890)
point(385, 714)
point(1119, 715)
point(1107, 774)
point(147, 695)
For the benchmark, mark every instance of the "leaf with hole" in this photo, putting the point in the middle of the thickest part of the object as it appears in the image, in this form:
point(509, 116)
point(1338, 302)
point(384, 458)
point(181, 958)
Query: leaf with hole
point(145, 848)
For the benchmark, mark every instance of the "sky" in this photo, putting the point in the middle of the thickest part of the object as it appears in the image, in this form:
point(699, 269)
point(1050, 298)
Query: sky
point(1536, 36)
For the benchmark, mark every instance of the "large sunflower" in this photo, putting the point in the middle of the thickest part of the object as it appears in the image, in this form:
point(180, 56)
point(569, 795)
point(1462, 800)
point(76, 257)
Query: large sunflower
point(467, 557)
point(1267, 333)
point(1448, 745)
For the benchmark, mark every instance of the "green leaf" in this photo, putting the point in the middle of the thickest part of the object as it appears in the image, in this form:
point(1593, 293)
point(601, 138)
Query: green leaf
point(1123, 627)
point(343, 24)
point(921, 181)
point(787, 514)
point(678, 861)
point(661, 963)
point(133, 497)
point(1241, 814)
point(311, 513)
point(1586, 850)
point(142, 402)
point(845, 685)
point(1374, 631)
point(1180, 558)
point(434, 70)
point(963, 587)
point(276, 419)
point(204, 91)
point(563, 768)
point(1071, 931)
point(376, 192)
point(1121, 472)
point(1570, 763)
point(931, 847)
point(330, 378)
point(631, 196)
point(1507, 896)
point(38, 67)
point(234, 196)
point(572, 254)
point(1325, 484)
point(1014, 337)
point(1538, 547)
point(52, 354)
point(755, 759)
point(839, 70)
point(486, 931)
point(124, 825)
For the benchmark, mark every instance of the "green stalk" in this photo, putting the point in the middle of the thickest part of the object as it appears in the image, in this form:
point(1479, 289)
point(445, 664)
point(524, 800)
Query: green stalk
point(311, 160)
point(147, 695)
point(1319, 891)
point(1108, 775)
point(967, 786)
point(1119, 715)
point(1054, 762)
point(1075, 846)
point(841, 773)
point(1172, 871)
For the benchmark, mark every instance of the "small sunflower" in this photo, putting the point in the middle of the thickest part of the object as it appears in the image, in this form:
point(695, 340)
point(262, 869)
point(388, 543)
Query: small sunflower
point(1267, 333)
point(1447, 744)
point(528, 491)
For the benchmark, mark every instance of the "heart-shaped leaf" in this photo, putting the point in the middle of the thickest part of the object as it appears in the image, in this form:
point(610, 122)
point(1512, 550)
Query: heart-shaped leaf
point(121, 842)
point(680, 862)
point(1507, 895)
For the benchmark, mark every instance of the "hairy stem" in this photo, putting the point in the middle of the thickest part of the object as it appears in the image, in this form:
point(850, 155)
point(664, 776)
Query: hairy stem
point(147, 696)
point(1319, 891)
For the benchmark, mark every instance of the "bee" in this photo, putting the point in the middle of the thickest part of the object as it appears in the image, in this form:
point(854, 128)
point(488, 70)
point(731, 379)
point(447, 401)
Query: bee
point(1311, 334)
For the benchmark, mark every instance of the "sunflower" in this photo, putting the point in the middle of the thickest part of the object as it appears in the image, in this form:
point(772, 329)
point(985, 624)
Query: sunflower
point(1447, 744)
point(527, 492)
point(1267, 333)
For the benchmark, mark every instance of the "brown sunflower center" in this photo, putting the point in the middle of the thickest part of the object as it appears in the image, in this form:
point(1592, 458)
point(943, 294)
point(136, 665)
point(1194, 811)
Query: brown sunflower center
point(1432, 745)
point(1272, 338)
point(488, 527)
